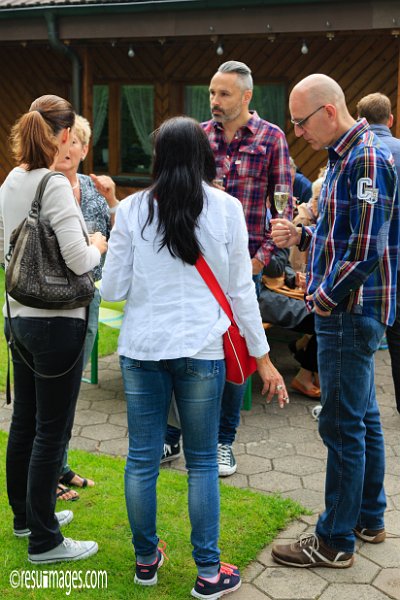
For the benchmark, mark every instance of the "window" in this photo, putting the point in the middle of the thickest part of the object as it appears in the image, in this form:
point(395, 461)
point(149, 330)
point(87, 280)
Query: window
point(123, 120)
point(197, 102)
point(100, 127)
point(270, 103)
point(137, 125)
point(268, 100)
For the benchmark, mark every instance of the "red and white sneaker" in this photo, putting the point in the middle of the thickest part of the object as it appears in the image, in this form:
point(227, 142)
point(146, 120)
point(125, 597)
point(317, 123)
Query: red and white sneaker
point(147, 574)
point(229, 581)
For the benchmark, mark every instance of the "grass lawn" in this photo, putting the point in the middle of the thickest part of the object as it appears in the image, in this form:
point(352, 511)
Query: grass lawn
point(108, 339)
point(249, 521)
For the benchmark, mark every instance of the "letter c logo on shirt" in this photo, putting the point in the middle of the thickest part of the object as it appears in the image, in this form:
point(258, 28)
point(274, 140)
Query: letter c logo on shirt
point(366, 192)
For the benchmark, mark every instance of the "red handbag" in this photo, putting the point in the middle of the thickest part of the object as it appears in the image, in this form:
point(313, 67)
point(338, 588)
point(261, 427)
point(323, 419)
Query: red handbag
point(239, 364)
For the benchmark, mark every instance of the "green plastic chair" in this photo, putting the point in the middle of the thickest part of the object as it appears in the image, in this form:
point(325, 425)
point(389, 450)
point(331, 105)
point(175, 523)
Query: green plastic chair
point(110, 314)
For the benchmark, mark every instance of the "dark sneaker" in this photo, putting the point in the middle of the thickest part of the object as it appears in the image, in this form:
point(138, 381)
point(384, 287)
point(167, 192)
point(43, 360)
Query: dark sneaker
point(311, 551)
point(147, 574)
point(63, 517)
point(68, 550)
point(171, 452)
point(373, 536)
point(229, 581)
point(226, 461)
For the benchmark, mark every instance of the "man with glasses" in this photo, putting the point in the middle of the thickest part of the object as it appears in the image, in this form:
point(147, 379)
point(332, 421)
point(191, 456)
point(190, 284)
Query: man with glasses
point(351, 288)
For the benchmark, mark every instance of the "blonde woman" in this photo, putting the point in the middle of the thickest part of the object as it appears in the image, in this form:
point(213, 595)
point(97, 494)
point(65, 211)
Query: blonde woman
point(98, 209)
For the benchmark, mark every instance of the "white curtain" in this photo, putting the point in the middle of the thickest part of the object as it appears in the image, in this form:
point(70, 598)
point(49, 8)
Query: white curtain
point(197, 102)
point(100, 108)
point(140, 101)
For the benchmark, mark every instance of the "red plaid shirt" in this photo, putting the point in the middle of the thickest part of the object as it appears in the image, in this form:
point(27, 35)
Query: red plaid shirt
point(256, 159)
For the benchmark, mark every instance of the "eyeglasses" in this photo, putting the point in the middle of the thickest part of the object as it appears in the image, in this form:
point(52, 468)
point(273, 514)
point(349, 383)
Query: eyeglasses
point(302, 122)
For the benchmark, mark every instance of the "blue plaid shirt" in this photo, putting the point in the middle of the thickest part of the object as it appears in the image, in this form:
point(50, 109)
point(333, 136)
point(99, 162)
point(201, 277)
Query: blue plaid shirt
point(354, 245)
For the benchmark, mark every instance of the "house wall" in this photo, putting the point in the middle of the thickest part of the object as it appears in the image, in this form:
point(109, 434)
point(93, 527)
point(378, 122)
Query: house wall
point(26, 73)
point(360, 63)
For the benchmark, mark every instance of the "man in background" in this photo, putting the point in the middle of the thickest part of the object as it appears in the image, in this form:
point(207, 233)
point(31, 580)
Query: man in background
point(301, 185)
point(377, 109)
point(251, 156)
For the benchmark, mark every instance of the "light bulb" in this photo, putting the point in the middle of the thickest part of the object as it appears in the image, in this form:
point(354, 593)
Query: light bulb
point(131, 52)
point(304, 48)
point(220, 50)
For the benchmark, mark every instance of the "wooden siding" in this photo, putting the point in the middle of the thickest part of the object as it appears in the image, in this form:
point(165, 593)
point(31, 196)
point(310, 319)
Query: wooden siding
point(360, 63)
point(25, 74)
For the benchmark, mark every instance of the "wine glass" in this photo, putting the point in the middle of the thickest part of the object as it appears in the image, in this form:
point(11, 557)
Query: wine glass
point(281, 197)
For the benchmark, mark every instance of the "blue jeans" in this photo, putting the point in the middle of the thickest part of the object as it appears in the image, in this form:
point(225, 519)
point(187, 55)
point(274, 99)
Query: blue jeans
point(93, 325)
point(231, 404)
point(197, 385)
point(232, 399)
point(43, 415)
point(349, 425)
point(258, 283)
point(393, 340)
point(229, 420)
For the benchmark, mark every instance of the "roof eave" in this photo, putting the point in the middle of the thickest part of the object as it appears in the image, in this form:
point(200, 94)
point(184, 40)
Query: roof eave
point(146, 6)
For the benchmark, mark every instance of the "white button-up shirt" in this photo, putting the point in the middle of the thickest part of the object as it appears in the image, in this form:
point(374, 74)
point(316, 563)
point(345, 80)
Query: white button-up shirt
point(170, 311)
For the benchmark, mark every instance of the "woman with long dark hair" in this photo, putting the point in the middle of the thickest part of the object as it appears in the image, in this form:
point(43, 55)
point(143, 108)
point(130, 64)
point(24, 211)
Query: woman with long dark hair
point(171, 337)
point(46, 341)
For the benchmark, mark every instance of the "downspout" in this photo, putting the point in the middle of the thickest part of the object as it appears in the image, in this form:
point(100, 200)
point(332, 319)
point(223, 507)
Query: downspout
point(57, 45)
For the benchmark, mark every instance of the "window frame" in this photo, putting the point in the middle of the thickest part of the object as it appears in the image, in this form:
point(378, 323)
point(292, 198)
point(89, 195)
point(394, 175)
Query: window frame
point(114, 133)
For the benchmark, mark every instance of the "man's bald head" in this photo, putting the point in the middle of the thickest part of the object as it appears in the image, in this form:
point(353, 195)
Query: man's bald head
point(319, 112)
point(321, 89)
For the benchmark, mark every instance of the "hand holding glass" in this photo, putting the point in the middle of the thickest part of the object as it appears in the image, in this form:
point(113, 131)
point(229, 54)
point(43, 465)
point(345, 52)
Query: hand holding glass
point(281, 197)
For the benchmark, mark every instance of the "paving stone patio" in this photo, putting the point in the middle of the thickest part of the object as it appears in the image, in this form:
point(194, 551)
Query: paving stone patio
point(277, 451)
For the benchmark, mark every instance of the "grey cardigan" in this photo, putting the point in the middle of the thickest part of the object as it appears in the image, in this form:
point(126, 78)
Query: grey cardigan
point(61, 211)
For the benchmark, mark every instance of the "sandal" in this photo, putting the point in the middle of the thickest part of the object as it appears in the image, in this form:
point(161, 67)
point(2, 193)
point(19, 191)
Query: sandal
point(62, 490)
point(312, 392)
point(67, 478)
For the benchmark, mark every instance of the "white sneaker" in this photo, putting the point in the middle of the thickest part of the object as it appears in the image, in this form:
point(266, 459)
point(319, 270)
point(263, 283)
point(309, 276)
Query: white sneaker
point(63, 517)
point(315, 411)
point(226, 461)
point(67, 550)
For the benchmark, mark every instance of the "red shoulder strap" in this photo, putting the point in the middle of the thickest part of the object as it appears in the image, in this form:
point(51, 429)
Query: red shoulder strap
point(216, 290)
